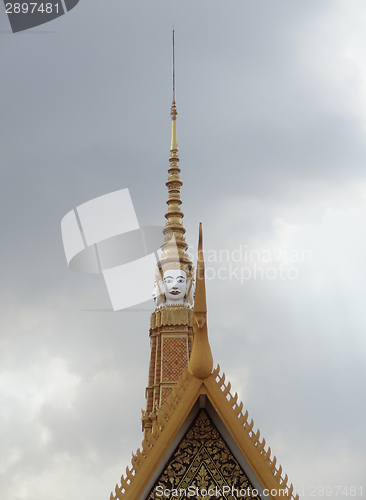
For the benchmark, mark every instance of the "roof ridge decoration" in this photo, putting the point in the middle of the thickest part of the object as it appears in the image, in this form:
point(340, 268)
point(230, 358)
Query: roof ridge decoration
point(201, 362)
point(240, 428)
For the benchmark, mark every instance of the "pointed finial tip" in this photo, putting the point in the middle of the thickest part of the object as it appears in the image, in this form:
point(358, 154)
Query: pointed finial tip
point(200, 237)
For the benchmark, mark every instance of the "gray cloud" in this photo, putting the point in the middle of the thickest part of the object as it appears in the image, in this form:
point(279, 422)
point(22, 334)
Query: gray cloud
point(271, 102)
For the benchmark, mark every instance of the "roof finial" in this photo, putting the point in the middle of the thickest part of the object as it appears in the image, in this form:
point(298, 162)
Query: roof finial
point(173, 68)
point(201, 362)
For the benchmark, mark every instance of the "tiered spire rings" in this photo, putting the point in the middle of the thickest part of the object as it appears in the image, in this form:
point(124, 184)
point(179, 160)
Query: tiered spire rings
point(174, 247)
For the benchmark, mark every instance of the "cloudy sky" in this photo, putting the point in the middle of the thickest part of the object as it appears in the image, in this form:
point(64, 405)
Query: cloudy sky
point(271, 99)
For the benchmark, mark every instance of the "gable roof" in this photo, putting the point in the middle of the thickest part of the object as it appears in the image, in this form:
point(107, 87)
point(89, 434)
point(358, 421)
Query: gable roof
point(203, 464)
point(174, 418)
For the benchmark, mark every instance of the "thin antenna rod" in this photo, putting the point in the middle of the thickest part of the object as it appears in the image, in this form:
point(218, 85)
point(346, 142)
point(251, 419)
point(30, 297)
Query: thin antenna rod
point(173, 70)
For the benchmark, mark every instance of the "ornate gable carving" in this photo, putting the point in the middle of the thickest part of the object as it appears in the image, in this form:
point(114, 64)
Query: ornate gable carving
point(202, 462)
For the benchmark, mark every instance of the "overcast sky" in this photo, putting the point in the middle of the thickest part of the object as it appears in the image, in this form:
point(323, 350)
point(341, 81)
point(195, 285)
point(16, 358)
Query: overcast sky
point(271, 98)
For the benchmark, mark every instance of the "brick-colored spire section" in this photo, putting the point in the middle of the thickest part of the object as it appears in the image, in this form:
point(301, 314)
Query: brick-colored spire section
point(171, 345)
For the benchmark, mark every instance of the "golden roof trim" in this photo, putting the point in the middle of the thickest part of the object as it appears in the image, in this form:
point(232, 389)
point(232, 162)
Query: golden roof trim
point(230, 411)
point(240, 428)
point(141, 456)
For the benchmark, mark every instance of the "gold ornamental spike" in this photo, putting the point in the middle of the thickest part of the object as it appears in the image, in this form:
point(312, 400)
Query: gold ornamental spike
point(201, 362)
point(200, 307)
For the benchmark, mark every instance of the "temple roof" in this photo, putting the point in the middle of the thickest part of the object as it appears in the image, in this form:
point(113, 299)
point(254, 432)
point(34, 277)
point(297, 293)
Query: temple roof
point(201, 387)
point(182, 406)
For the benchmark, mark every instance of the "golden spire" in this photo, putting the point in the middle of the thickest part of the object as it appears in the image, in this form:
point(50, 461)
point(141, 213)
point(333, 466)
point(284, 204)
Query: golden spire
point(201, 362)
point(174, 246)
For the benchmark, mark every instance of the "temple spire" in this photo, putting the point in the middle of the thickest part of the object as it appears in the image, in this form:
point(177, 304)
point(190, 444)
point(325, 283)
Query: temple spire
point(174, 246)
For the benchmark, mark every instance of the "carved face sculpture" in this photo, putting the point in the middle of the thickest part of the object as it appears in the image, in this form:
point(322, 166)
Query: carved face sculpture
point(175, 282)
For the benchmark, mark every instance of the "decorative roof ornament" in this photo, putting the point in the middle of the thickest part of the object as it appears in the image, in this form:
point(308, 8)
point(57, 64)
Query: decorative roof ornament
point(174, 248)
point(201, 362)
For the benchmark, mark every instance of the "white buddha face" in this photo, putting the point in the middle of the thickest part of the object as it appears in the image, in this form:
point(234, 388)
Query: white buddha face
point(175, 282)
